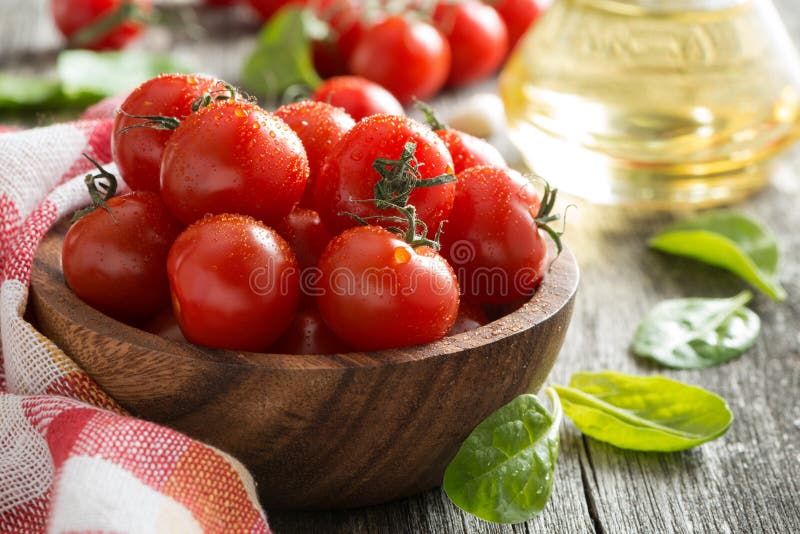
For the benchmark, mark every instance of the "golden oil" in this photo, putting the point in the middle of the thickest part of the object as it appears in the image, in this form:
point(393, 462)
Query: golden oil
point(657, 103)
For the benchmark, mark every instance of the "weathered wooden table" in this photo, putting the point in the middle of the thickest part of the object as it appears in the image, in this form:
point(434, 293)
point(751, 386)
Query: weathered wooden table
point(748, 481)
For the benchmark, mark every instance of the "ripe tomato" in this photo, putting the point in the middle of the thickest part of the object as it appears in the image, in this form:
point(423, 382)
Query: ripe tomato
point(305, 233)
point(470, 316)
point(469, 151)
point(491, 237)
point(165, 325)
point(358, 96)
point(233, 157)
point(477, 36)
point(408, 57)
point(72, 16)
point(308, 334)
point(138, 151)
point(519, 15)
point(320, 127)
point(234, 283)
point(377, 292)
point(119, 267)
point(348, 176)
point(344, 19)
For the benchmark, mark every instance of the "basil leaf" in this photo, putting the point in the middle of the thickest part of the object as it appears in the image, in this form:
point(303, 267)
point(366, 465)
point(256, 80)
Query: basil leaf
point(504, 471)
point(644, 413)
point(23, 92)
point(696, 333)
point(282, 57)
point(727, 239)
point(87, 74)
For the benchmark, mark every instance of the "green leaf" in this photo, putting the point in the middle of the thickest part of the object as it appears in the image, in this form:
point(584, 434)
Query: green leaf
point(101, 74)
point(504, 471)
point(282, 57)
point(641, 413)
point(727, 239)
point(23, 92)
point(696, 333)
point(84, 77)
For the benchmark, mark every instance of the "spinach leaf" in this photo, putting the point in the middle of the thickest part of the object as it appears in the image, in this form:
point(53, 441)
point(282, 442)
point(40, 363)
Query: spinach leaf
point(95, 75)
point(643, 413)
point(282, 57)
point(695, 333)
point(504, 471)
point(727, 239)
point(83, 77)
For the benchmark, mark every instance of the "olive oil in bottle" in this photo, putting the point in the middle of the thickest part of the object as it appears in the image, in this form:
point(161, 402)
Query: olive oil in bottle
point(656, 103)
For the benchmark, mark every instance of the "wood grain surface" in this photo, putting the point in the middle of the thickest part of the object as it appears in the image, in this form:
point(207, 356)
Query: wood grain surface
point(747, 481)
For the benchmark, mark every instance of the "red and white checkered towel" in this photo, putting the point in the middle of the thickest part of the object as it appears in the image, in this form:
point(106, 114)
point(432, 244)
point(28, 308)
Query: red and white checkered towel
point(71, 460)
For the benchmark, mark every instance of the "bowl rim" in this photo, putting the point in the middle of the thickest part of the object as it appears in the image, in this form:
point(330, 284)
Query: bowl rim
point(556, 290)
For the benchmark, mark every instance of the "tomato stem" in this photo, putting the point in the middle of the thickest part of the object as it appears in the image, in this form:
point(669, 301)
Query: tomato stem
point(430, 116)
point(545, 215)
point(399, 177)
point(104, 25)
point(99, 191)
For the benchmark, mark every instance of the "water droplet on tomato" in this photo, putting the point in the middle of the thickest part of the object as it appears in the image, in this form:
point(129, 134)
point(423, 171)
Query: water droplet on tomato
point(239, 112)
point(401, 255)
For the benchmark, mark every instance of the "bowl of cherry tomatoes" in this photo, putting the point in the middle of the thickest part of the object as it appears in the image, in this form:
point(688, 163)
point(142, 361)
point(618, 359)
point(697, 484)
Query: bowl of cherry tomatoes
point(335, 303)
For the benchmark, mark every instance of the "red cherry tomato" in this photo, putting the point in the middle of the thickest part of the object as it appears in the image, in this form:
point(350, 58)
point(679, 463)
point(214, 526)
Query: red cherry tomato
point(408, 57)
point(119, 267)
point(305, 233)
point(308, 334)
point(377, 292)
point(491, 237)
point(165, 325)
point(470, 316)
point(469, 151)
point(320, 127)
point(72, 16)
point(344, 19)
point(233, 157)
point(519, 15)
point(138, 151)
point(477, 36)
point(234, 283)
point(358, 96)
point(348, 176)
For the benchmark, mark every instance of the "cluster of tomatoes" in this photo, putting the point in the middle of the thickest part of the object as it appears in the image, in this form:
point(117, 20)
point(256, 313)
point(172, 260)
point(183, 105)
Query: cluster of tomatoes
point(412, 51)
point(416, 50)
point(302, 230)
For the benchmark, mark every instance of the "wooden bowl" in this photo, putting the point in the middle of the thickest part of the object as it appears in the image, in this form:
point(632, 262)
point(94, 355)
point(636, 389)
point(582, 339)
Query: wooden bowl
point(338, 430)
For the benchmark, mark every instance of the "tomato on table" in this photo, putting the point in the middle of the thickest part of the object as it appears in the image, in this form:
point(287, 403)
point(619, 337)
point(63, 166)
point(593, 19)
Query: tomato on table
point(348, 175)
point(492, 237)
point(233, 157)
point(379, 292)
point(519, 15)
point(74, 16)
point(320, 127)
point(137, 151)
point(478, 39)
point(408, 57)
point(358, 96)
point(115, 259)
point(234, 283)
